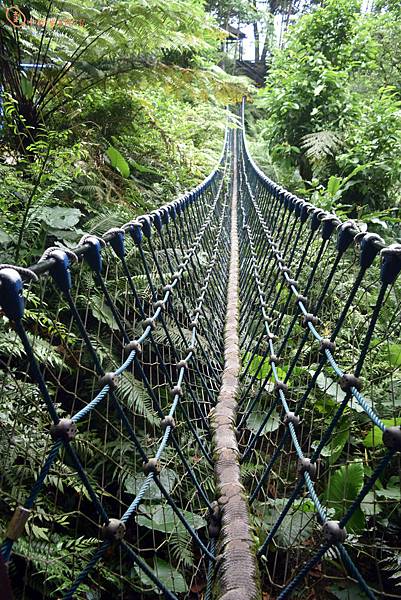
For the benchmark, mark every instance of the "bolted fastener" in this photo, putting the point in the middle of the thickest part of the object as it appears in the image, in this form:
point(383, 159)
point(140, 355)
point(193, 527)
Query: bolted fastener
point(17, 524)
point(392, 438)
point(291, 417)
point(149, 323)
point(152, 466)
point(333, 533)
point(280, 385)
point(114, 530)
point(134, 345)
point(309, 318)
point(306, 466)
point(167, 421)
point(349, 381)
point(326, 344)
point(159, 304)
point(109, 379)
point(301, 298)
point(289, 282)
point(176, 391)
point(182, 365)
point(65, 429)
point(275, 359)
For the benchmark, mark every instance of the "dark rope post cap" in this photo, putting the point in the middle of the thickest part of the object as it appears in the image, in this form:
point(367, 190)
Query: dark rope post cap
point(159, 304)
point(65, 429)
point(391, 263)
point(146, 226)
point(134, 345)
point(157, 220)
point(167, 421)
point(392, 438)
point(17, 524)
point(117, 242)
point(109, 379)
point(93, 256)
point(277, 360)
point(348, 381)
point(135, 229)
point(152, 466)
point(333, 533)
point(60, 270)
point(306, 466)
point(329, 223)
point(114, 530)
point(370, 245)
point(346, 235)
point(11, 290)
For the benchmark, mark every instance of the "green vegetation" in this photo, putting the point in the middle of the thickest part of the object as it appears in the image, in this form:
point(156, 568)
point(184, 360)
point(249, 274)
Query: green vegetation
point(328, 123)
point(127, 111)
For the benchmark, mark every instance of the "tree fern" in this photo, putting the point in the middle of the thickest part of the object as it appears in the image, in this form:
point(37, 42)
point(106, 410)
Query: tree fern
point(320, 145)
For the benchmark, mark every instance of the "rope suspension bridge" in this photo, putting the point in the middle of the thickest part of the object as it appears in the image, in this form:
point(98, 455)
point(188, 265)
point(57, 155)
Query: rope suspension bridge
point(196, 404)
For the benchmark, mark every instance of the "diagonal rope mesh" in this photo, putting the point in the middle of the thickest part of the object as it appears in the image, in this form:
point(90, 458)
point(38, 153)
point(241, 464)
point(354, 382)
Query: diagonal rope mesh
point(319, 420)
point(110, 368)
point(124, 421)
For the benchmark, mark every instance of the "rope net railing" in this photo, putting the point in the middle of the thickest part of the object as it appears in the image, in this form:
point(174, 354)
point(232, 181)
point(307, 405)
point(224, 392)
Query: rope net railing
point(119, 394)
point(111, 360)
point(319, 412)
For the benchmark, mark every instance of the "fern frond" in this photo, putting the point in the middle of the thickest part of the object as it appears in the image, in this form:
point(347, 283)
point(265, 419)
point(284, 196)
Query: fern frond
point(318, 146)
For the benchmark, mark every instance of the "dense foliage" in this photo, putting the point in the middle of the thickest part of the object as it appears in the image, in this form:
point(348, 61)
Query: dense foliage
point(125, 110)
point(331, 112)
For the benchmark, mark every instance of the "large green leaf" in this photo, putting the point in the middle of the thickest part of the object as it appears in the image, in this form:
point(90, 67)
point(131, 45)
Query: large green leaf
point(394, 355)
point(118, 161)
point(60, 217)
point(344, 486)
point(264, 369)
point(170, 577)
point(297, 524)
point(375, 435)
point(102, 312)
point(337, 442)
point(332, 389)
point(163, 518)
point(255, 420)
point(167, 477)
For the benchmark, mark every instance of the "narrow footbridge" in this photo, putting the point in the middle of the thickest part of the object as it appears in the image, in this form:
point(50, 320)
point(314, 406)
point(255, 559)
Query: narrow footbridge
point(204, 403)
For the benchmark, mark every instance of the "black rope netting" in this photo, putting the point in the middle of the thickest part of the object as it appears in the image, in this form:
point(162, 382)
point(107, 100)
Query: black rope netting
point(319, 413)
point(112, 359)
point(124, 349)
